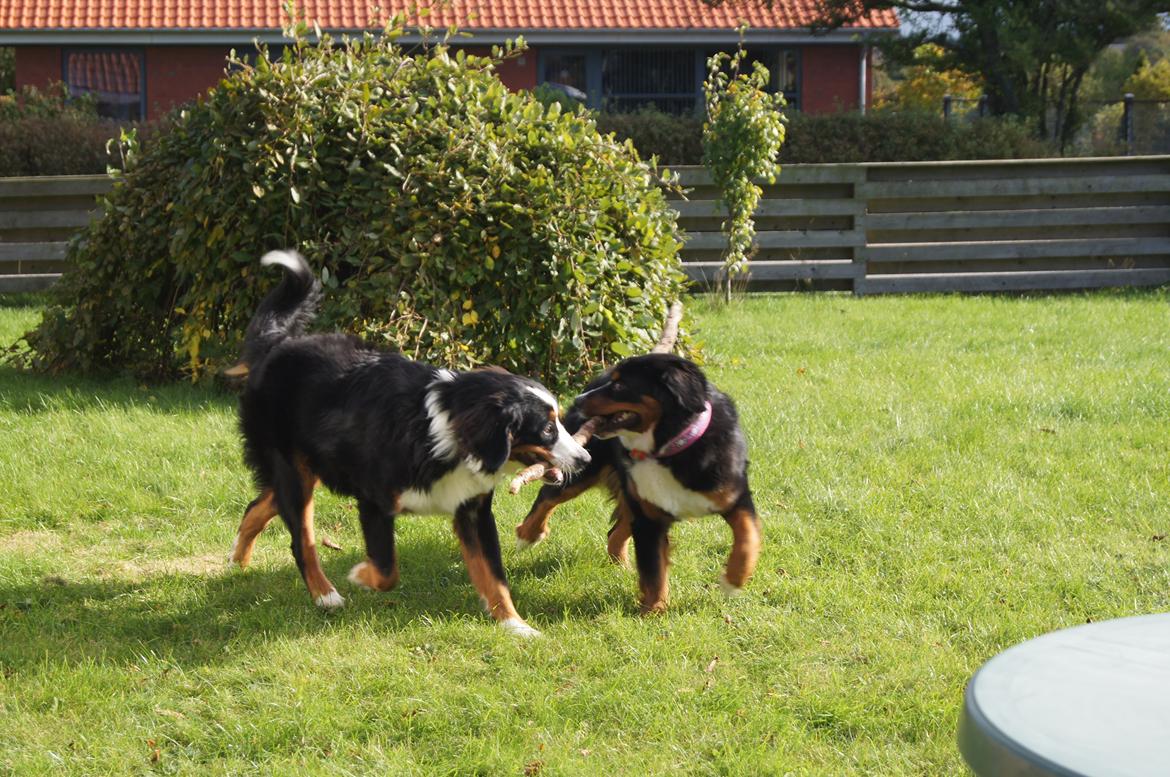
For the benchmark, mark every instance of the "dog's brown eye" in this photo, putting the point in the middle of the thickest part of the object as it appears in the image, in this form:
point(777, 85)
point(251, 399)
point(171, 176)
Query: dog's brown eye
point(550, 429)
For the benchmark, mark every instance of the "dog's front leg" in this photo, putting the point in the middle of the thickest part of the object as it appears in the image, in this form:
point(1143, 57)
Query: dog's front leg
point(475, 526)
point(379, 572)
point(651, 554)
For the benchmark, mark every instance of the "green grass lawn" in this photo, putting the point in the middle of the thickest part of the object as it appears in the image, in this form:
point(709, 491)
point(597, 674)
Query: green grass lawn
point(939, 478)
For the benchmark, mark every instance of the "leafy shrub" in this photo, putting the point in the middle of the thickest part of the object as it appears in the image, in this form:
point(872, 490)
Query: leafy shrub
point(887, 136)
point(741, 138)
point(547, 95)
point(42, 132)
point(675, 140)
point(877, 136)
point(450, 218)
point(7, 68)
point(54, 147)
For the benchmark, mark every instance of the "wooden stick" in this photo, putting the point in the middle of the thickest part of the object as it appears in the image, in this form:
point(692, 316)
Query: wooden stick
point(669, 329)
point(537, 470)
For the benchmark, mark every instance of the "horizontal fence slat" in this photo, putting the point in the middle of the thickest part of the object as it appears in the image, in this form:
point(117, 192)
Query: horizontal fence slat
point(15, 283)
point(32, 252)
point(773, 207)
point(44, 219)
point(1044, 280)
point(1031, 217)
point(55, 185)
point(794, 239)
point(709, 272)
point(789, 174)
point(1016, 249)
point(1013, 187)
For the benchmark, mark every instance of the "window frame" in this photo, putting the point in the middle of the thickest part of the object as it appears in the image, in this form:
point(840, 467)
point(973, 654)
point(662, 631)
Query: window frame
point(595, 56)
point(138, 51)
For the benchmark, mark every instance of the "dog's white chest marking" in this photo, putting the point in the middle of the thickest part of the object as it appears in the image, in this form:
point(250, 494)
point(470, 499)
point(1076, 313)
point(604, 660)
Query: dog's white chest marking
point(448, 492)
point(657, 485)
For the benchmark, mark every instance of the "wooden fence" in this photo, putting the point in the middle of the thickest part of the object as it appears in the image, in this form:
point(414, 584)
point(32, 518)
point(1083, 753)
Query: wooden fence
point(950, 226)
point(37, 218)
point(870, 228)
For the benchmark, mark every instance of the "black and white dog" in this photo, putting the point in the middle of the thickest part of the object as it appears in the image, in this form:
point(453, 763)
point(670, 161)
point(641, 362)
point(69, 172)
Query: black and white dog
point(398, 435)
point(669, 447)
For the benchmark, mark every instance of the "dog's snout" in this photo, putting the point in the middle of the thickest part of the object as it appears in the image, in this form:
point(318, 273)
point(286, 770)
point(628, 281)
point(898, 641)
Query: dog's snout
point(569, 454)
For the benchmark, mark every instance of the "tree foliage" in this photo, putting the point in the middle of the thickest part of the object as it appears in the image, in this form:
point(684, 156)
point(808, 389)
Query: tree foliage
point(448, 218)
point(1031, 55)
point(742, 136)
point(925, 81)
point(7, 69)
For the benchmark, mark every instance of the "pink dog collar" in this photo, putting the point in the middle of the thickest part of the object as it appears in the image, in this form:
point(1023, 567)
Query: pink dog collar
point(681, 441)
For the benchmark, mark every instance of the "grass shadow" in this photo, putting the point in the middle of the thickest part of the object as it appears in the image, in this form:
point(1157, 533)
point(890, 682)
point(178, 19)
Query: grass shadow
point(193, 618)
point(28, 393)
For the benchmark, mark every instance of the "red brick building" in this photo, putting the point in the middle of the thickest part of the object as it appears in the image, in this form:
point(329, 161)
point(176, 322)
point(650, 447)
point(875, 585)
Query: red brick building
point(142, 57)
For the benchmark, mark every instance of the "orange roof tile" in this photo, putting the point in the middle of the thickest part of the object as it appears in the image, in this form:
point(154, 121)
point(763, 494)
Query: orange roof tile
point(467, 14)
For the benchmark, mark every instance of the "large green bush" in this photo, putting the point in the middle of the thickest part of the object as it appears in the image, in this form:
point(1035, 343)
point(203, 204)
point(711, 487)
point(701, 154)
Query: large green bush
point(675, 140)
point(44, 132)
point(448, 218)
point(877, 136)
point(905, 136)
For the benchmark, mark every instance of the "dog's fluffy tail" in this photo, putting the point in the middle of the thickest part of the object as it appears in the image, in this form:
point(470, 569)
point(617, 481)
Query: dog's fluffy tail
point(284, 313)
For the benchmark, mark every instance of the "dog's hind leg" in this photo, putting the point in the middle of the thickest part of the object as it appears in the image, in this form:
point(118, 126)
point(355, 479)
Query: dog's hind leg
point(745, 545)
point(379, 572)
point(294, 499)
point(534, 527)
point(256, 517)
point(475, 526)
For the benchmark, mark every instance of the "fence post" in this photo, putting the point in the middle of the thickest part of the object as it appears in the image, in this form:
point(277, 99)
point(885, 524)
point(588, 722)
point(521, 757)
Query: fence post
point(1127, 124)
point(982, 106)
point(947, 99)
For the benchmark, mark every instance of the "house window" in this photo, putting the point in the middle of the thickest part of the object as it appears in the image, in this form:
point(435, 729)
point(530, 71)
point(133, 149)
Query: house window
point(782, 65)
point(112, 77)
point(566, 72)
point(661, 78)
point(670, 80)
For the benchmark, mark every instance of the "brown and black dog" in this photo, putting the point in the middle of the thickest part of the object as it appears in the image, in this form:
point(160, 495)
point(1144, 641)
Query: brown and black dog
point(399, 435)
point(669, 447)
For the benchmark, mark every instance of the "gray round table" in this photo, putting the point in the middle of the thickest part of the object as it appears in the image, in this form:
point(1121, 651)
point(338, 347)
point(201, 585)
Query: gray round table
point(1090, 700)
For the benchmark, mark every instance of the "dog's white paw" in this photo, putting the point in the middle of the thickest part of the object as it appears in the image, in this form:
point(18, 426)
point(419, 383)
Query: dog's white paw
point(330, 601)
point(523, 544)
point(231, 557)
point(519, 628)
point(727, 588)
point(355, 575)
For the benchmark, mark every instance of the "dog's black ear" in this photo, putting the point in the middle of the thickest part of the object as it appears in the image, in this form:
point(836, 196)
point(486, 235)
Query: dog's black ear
point(687, 385)
point(485, 430)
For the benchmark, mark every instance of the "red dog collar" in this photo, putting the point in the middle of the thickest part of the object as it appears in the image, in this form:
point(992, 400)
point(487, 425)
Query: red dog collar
point(681, 441)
